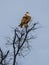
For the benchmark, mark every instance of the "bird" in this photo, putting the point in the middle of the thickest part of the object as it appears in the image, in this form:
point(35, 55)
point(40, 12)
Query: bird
point(25, 19)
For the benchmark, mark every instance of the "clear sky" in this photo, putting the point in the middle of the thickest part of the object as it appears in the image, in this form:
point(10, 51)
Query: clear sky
point(11, 12)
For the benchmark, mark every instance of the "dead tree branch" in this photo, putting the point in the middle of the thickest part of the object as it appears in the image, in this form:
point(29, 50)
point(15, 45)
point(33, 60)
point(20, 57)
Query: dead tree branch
point(19, 40)
point(3, 57)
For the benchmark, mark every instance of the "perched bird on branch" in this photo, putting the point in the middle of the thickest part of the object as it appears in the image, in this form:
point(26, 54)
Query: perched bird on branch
point(25, 20)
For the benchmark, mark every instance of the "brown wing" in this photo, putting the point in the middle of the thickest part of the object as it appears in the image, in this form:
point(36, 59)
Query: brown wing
point(28, 19)
point(23, 21)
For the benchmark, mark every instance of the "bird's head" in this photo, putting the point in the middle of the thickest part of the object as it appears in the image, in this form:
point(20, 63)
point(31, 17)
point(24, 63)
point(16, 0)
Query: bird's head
point(27, 14)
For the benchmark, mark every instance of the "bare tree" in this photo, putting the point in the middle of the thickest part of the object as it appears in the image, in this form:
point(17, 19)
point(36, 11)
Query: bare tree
point(20, 42)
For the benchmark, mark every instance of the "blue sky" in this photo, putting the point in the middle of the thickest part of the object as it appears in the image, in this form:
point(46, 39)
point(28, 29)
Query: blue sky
point(11, 12)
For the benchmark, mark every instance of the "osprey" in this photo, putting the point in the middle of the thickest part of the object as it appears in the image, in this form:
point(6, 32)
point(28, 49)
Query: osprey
point(25, 20)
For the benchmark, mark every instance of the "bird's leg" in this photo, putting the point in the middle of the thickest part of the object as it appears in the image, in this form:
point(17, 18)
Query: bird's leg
point(25, 25)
